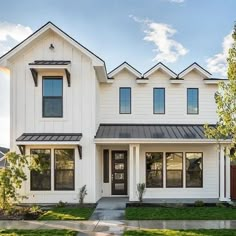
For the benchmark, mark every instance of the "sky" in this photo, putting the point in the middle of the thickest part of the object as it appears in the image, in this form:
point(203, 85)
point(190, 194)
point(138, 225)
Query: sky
point(141, 32)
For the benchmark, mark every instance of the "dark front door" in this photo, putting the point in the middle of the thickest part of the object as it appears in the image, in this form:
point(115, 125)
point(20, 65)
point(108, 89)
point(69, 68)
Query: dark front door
point(119, 173)
point(233, 182)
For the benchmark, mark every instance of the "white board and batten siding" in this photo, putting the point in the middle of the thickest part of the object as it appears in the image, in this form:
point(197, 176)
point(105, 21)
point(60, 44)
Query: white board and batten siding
point(79, 101)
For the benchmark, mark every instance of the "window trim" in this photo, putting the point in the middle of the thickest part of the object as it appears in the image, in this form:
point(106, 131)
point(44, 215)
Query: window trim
point(62, 97)
point(189, 113)
point(186, 172)
point(182, 176)
point(55, 189)
point(159, 113)
point(162, 171)
point(120, 100)
point(49, 169)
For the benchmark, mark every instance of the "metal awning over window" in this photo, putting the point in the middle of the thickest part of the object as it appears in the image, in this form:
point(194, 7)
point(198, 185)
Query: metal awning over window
point(49, 139)
point(40, 65)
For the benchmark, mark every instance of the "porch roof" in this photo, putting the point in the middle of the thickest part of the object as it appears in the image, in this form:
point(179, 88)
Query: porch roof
point(49, 137)
point(153, 132)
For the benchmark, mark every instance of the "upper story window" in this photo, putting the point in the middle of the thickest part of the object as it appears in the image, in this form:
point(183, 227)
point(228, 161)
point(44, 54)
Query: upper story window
point(159, 101)
point(192, 101)
point(52, 97)
point(125, 100)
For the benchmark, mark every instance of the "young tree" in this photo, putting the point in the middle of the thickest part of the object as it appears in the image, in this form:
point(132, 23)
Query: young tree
point(12, 175)
point(226, 102)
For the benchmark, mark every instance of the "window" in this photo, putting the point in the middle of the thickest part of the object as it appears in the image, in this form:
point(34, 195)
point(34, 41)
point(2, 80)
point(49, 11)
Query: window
point(192, 101)
point(52, 97)
point(125, 100)
point(41, 181)
point(64, 169)
point(105, 166)
point(174, 169)
point(154, 169)
point(194, 169)
point(159, 101)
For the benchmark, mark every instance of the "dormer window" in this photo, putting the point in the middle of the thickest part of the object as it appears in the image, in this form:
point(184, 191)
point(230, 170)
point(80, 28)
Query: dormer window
point(52, 97)
point(192, 101)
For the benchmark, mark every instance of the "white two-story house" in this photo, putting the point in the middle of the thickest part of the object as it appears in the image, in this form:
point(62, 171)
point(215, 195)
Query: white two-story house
point(111, 131)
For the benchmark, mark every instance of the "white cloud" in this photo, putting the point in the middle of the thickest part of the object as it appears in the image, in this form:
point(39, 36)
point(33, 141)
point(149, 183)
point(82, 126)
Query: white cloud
point(11, 34)
point(176, 1)
point(217, 64)
point(161, 35)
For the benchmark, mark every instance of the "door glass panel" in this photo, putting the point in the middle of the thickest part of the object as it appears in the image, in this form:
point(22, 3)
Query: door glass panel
point(119, 176)
point(119, 156)
point(119, 186)
point(119, 166)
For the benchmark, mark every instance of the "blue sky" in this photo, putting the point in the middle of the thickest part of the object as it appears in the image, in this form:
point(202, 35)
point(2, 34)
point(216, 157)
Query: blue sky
point(141, 32)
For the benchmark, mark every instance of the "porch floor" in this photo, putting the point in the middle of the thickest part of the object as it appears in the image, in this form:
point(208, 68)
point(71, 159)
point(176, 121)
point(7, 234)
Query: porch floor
point(180, 200)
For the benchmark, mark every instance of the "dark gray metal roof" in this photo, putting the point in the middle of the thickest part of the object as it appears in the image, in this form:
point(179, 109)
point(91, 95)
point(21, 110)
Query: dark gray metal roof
point(50, 137)
point(52, 62)
point(151, 131)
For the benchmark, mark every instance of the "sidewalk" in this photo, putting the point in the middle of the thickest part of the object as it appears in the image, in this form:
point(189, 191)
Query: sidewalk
point(103, 228)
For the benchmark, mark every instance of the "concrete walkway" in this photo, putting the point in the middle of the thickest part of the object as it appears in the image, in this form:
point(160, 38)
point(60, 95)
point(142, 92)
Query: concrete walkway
point(103, 228)
point(110, 208)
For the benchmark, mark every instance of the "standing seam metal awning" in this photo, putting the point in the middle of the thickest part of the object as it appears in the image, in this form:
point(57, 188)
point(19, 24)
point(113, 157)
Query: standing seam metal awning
point(151, 131)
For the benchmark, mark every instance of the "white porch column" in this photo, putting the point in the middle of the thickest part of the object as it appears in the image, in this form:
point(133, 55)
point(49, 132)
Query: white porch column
point(134, 176)
point(227, 170)
point(222, 174)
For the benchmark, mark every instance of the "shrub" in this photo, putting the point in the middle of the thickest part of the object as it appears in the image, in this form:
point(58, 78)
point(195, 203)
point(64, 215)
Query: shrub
point(199, 203)
point(61, 204)
point(141, 188)
point(82, 194)
point(219, 204)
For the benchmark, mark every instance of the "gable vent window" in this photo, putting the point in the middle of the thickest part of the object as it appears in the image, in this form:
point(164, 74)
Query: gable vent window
point(192, 101)
point(52, 97)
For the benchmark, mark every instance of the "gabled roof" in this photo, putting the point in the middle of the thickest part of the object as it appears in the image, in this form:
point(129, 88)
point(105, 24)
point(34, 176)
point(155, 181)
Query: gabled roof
point(197, 67)
point(123, 66)
point(157, 67)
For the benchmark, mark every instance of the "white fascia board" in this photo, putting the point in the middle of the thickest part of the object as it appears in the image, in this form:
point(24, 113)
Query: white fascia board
point(158, 67)
point(46, 143)
point(196, 67)
point(101, 73)
point(164, 141)
point(215, 81)
point(122, 67)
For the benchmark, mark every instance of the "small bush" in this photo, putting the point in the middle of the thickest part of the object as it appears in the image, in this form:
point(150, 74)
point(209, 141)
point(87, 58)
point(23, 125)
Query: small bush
point(199, 203)
point(219, 204)
point(141, 188)
point(82, 194)
point(61, 204)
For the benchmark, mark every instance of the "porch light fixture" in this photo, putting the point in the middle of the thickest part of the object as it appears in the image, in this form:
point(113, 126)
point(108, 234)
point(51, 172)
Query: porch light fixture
point(51, 47)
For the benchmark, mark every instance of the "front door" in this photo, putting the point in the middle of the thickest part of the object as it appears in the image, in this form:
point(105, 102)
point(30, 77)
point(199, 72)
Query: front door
point(119, 173)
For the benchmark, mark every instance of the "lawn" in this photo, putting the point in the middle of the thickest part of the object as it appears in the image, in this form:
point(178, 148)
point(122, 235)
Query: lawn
point(201, 232)
point(67, 213)
point(181, 213)
point(37, 232)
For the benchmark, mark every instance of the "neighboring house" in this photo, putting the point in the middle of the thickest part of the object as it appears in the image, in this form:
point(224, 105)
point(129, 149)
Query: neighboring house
point(112, 131)
point(2, 152)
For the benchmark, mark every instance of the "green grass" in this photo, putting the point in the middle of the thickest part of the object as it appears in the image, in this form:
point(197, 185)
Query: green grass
point(37, 232)
point(67, 213)
point(201, 232)
point(181, 213)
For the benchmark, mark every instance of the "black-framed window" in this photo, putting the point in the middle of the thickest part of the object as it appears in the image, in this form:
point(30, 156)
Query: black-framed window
point(192, 101)
point(174, 169)
point(52, 97)
point(194, 169)
point(106, 169)
point(40, 181)
point(159, 100)
point(125, 100)
point(154, 169)
point(64, 169)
